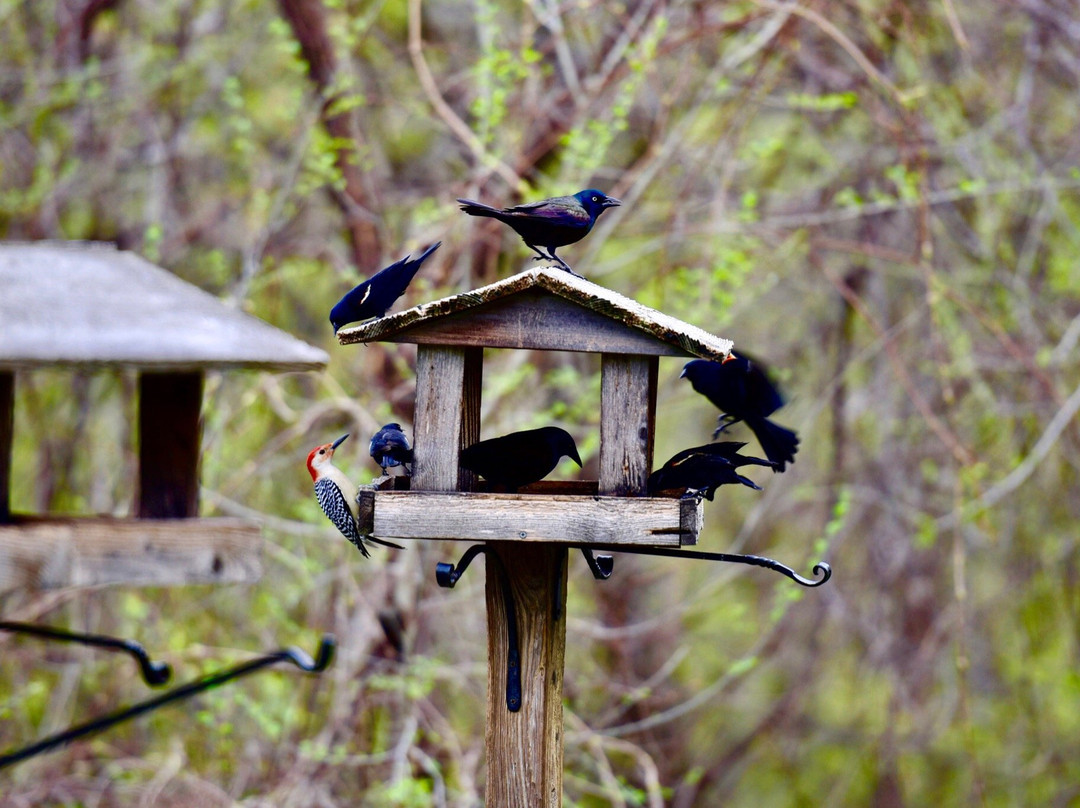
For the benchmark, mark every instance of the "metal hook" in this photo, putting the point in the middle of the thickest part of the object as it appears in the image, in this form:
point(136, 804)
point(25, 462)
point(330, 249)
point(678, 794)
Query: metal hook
point(446, 575)
point(153, 673)
point(821, 568)
point(324, 656)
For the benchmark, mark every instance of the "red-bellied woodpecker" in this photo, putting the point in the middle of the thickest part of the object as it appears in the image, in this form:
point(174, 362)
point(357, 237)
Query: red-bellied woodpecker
point(337, 495)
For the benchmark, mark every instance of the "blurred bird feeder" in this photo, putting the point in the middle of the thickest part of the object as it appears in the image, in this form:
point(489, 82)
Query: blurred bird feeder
point(90, 307)
point(527, 534)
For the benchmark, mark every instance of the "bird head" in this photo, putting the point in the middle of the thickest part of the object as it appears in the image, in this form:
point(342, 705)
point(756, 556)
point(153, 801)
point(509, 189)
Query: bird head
point(563, 443)
point(693, 369)
point(596, 202)
point(322, 456)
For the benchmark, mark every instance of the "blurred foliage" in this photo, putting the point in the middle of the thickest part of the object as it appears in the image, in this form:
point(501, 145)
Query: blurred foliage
point(878, 197)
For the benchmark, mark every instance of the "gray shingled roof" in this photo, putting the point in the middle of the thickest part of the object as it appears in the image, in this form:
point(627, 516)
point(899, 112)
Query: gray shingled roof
point(602, 304)
point(89, 304)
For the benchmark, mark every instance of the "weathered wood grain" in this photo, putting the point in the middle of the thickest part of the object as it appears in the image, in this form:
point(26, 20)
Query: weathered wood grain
point(525, 748)
point(627, 418)
point(170, 434)
point(447, 415)
point(119, 310)
point(492, 318)
point(48, 553)
point(533, 518)
point(7, 422)
point(537, 320)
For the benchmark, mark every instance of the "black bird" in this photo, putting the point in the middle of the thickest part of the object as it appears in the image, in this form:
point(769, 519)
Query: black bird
point(728, 449)
point(389, 448)
point(549, 223)
point(740, 388)
point(520, 458)
point(701, 473)
point(377, 294)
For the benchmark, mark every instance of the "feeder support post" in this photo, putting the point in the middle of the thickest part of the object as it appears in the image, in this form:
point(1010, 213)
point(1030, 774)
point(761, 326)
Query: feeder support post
point(7, 422)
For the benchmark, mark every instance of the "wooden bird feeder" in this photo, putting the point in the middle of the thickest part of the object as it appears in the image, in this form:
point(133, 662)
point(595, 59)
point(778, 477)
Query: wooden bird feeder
point(91, 307)
point(527, 534)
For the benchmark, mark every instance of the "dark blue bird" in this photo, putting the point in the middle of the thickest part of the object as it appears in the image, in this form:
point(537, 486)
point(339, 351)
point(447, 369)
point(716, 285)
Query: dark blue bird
point(700, 472)
point(389, 448)
point(728, 449)
point(549, 223)
point(520, 458)
point(740, 388)
point(377, 294)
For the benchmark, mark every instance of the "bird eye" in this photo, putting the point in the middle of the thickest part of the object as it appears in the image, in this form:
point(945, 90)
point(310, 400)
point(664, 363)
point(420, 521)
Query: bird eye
point(596, 199)
point(322, 451)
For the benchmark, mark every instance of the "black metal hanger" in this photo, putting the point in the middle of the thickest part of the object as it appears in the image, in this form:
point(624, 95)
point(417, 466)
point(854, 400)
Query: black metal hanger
point(153, 673)
point(324, 656)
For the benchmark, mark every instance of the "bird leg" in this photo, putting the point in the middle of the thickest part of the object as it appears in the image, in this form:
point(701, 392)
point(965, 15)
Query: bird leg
point(724, 421)
point(551, 256)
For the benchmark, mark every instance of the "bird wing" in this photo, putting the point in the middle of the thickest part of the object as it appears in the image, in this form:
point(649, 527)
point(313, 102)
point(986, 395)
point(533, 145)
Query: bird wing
point(337, 511)
point(559, 210)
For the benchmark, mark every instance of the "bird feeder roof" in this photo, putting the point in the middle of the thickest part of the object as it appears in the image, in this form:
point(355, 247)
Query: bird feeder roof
point(89, 304)
point(543, 309)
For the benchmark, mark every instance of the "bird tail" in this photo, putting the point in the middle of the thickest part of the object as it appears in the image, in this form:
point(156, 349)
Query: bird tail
point(479, 209)
point(423, 256)
point(779, 443)
point(383, 542)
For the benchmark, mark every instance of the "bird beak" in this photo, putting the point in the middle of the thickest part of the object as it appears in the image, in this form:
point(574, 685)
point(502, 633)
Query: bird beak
point(683, 374)
point(339, 441)
point(576, 458)
point(611, 202)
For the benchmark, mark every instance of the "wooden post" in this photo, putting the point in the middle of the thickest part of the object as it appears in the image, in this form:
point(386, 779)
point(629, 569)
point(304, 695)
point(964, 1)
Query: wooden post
point(169, 444)
point(447, 415)
point(627, 416)
point(525, 748)
point(7, 431)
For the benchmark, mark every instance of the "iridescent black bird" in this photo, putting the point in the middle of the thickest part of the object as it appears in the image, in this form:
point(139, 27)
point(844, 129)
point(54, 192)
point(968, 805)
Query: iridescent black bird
point(377, 294)
point(390, 448)
point(728, 449)
point(700, 472)
point(549, 223)
point(520, 458)
point(740, 388)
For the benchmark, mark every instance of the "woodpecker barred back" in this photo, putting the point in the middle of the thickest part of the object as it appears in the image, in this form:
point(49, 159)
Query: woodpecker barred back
point(337, 495)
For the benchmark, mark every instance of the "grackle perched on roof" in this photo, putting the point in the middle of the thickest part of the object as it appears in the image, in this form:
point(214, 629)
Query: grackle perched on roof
point(700, 472)
point(375, 295)
point(389, 448)
point(740, 388)
point(549, 223)
point(520, 458)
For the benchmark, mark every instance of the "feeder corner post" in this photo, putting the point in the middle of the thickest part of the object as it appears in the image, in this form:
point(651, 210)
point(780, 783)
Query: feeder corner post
point(170, 434)
point(7, 422)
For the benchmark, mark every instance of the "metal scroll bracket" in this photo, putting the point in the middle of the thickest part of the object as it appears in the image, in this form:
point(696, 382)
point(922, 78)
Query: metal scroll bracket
point(446, 575)
point(324, 656)
point(601, 566)
point(153, 673)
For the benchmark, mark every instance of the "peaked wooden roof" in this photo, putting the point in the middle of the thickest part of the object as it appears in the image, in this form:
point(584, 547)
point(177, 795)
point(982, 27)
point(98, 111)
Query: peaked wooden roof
point(89, 304)
point(543, 308)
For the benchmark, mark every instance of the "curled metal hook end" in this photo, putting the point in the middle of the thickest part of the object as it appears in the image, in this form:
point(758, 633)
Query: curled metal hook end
point(323, 657)
point(821, 568)
point(155, 674)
